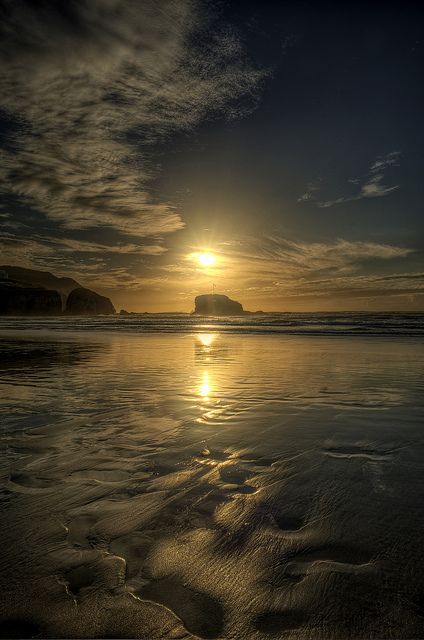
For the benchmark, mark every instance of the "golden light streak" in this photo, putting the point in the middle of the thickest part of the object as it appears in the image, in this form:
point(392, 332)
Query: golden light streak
point(206, 339)
point(205, 386)
point(206, 259)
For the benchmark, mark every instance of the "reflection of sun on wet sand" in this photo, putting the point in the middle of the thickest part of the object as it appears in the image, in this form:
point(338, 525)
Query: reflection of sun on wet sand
point(206, 339)
point(205, 386)
point(244, 496)
point(204, 353)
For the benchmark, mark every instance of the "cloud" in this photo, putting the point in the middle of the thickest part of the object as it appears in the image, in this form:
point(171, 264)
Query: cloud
point(360, 286)
point(92, 263)
point(276, 273)
point(89, 86)
point(369, 186)
point(25, 252)
point(305, 197)
point(126, 248)
point(271, 266)
point(383, 162)
point(274, 268)
point(375, 189)
point(312, 188)
point(301, 258)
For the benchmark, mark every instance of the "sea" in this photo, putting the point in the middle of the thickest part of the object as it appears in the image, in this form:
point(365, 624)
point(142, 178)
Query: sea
point(173, 476)
point(360, 323)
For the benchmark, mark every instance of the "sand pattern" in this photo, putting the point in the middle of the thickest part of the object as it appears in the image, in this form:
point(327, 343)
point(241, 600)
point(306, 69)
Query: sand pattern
point(271, 524)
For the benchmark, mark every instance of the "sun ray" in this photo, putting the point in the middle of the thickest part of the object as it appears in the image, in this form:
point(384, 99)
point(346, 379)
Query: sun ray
point(206, 259)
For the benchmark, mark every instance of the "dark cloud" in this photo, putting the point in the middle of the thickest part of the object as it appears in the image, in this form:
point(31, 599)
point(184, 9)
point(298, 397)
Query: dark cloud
point(90, 84)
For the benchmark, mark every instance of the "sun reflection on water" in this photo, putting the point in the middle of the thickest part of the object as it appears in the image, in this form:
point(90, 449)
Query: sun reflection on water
point(205, 387)
point(205, 343)
point(206, 339)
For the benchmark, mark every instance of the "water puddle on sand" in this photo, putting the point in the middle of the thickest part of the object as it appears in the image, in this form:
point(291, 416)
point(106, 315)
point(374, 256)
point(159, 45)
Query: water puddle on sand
point(219, 486)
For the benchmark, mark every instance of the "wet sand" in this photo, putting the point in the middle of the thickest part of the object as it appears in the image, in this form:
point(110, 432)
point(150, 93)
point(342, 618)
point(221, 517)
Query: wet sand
point(212, 486)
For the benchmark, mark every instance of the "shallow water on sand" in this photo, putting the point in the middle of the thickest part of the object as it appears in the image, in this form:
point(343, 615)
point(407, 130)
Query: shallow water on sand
point(211, 485)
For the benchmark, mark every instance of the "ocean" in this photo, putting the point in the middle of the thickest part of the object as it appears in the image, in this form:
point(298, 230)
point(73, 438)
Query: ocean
point(169, 476)
point(289, 323)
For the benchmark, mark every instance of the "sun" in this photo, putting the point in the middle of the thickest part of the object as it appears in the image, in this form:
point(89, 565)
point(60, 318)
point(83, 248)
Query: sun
point(206, 259)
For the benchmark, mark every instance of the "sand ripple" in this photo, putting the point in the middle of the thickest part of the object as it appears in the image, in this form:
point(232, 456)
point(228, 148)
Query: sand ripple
point(256, 514)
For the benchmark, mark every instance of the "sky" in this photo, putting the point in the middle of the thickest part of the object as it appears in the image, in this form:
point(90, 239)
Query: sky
point(284, 139)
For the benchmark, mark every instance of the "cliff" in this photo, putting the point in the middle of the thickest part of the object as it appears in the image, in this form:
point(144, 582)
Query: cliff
point(217, 305)
point(17, 299)
point(28, 291)
point(85, 302)
point(41, 279)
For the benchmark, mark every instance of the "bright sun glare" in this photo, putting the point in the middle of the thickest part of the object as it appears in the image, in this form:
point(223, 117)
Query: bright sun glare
point(206, 339)
point(206, 259)
point(205, 386)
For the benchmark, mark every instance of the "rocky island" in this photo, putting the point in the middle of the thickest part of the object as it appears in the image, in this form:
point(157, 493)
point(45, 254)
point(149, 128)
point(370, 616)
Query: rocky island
point(217, 305)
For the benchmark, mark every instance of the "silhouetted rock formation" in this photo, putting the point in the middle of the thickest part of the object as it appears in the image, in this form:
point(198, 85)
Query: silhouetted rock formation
point(85, 302)
point(217, 305)
point(16, 299)
point(32, 292)
point(43, 279)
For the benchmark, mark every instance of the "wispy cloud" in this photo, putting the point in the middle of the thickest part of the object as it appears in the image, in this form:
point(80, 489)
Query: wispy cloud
point(278, 269)
point(369, 186)
point(383, 162)
point(273, 266)
point(90, 85)
point(252, 269)
point(90, 262)
point(278, 256)
point(374, 187)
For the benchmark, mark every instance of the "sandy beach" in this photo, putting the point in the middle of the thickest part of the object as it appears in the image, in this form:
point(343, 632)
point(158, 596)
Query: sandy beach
point(211, 320)
point(212, 486)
